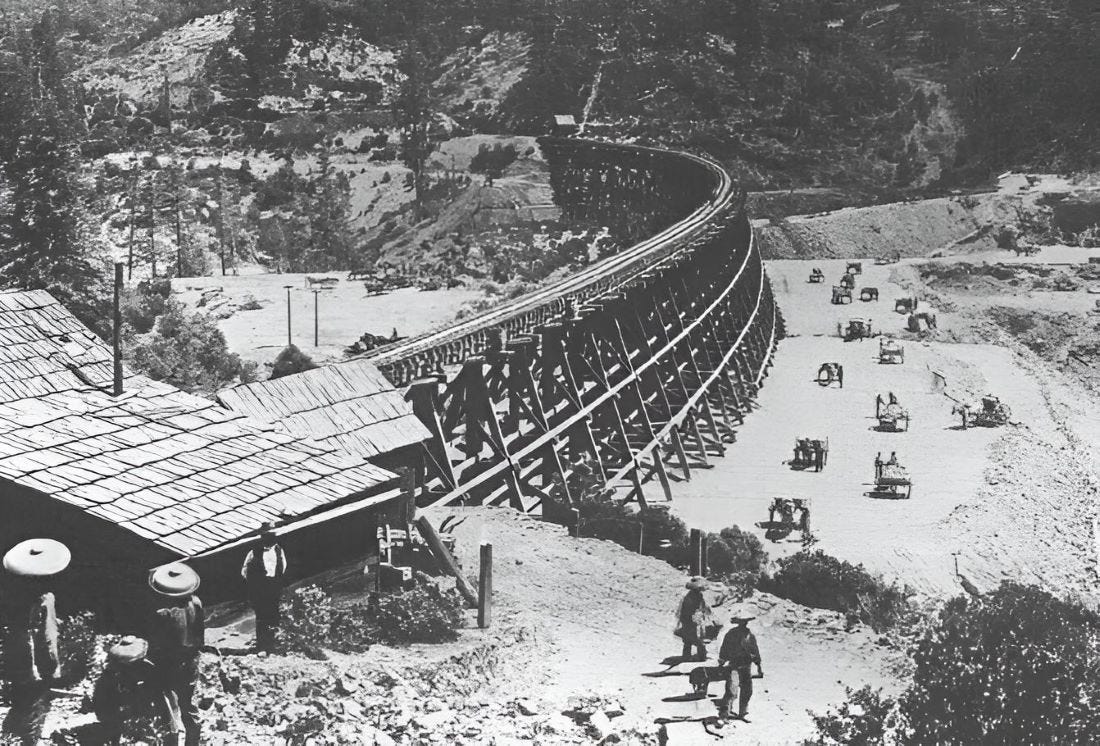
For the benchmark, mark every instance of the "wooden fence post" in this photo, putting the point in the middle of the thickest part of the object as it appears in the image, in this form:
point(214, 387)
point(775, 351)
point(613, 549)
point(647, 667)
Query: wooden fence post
point(641, 537)
point(703, 564)
point(696, 551)
point(485, 588)
point(575, 523)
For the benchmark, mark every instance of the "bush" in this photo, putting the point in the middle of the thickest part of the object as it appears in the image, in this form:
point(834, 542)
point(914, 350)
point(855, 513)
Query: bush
point(492, 161)
point(733, 551)
point(290, 361)
point(188, 352)
point(865, 718)
point(307, 616)
point(423, 613)
point(819, 580)
point(1017, 666)
point(77, 646)
point(142, 305)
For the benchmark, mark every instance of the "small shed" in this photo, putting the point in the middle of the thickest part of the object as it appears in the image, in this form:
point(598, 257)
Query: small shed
point(564, 124)
point(155, 474)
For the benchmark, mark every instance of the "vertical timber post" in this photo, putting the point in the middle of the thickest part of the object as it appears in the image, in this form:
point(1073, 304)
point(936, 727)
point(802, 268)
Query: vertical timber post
point(485, 587)
point(696, 552)
point(116, 337)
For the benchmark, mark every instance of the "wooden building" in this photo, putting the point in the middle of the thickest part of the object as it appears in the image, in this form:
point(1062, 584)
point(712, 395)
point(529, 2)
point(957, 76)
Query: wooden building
point(350, 406)
point(154, 474)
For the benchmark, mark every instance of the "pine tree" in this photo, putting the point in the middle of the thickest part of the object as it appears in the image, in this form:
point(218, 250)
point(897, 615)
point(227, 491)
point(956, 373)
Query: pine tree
point(413, 111)
point(45, 240)
point(330, 215)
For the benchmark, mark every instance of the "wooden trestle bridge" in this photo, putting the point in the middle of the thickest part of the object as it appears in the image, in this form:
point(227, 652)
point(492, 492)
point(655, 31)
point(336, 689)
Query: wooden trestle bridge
point(642, 365)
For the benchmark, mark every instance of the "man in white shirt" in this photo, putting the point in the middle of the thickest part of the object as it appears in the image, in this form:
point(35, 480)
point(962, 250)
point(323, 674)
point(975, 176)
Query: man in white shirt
point(263, 571)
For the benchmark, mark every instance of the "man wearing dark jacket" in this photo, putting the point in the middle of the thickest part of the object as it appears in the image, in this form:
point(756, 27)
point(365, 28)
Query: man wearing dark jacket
point(176, 638)
point(738, 654)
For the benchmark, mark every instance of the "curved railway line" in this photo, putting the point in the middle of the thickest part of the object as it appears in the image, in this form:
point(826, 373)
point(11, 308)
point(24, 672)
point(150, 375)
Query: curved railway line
point(637, 368)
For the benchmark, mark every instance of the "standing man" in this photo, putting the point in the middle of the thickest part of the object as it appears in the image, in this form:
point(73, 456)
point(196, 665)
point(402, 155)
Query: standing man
point(31, 659)
point(264, 571)
point(693, 619)
point(739, 652)
point(176, 637)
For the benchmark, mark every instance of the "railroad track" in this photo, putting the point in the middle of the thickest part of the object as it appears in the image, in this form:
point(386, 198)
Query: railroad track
point(645, 360)
point(599, 279)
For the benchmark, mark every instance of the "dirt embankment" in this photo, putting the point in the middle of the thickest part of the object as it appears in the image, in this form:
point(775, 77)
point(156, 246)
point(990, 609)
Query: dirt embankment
point(911, 229)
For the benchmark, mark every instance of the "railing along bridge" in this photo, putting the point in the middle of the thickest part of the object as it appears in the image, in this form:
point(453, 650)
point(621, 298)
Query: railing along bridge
point(641, 365)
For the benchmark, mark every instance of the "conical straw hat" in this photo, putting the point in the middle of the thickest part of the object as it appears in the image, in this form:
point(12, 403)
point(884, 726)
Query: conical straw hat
point(176, 579)
point(37, 558)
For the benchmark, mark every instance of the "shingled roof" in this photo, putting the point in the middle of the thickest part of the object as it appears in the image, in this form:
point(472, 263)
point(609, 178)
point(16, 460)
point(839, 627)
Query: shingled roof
point(349, 405)
point(175, 469)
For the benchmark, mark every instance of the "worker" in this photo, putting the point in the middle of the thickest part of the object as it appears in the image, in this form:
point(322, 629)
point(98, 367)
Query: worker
point(264, 575)
point(893, 460)
point(176, 637)
point(819, 455)
point(31, 659)
point(893, 399)
point(840, 374)
point(738, 654)
point(130, 687)
point(694, 620)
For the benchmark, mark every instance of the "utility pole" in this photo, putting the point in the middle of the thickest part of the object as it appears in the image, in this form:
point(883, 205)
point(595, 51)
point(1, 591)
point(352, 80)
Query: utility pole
point(316, 323)
point(288, 287)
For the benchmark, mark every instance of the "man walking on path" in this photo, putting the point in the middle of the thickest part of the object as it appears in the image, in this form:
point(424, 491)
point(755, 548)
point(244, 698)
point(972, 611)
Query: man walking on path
point(739, 652)
point(694, 619)
point(263, 572)
point(176, 639)
point(31, 660)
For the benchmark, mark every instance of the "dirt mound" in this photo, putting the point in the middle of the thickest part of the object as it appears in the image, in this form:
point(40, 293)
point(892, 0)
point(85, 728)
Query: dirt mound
point(909, 228)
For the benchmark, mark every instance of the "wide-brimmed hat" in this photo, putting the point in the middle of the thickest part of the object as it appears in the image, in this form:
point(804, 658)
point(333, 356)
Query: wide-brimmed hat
point(129, 649)
point(37, 558)
point(267, 527)
point(175, 580)
point(742, 615)
point(697, 583)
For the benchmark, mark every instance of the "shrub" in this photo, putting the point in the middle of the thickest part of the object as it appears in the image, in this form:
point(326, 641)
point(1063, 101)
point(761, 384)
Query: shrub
point(819, 580)
point(865, 718)
point(307, 616)
point(1017, 666)
point(733, 550)
point(77, 646)
point(492, 160)
point(188, 352)
point(424, 613)
point(145, 303)
point(290, 361)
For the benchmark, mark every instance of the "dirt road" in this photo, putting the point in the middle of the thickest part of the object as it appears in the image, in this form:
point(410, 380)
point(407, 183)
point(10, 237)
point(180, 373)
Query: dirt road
point(1011, 502)
point(609, 614)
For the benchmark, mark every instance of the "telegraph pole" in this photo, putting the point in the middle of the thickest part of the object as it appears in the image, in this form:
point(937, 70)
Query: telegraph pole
point(316, 323)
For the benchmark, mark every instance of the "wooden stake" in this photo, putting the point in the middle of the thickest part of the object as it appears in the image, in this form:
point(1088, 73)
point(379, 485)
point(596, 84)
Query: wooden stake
point(485, 587)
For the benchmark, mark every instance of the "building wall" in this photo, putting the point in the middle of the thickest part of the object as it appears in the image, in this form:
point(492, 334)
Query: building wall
point(109, 567)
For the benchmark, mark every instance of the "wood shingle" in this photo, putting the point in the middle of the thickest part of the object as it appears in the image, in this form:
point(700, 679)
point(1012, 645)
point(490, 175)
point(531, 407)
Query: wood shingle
point(169, 467)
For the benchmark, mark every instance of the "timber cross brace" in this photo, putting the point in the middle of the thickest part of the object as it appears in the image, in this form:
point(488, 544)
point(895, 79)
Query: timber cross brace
point(637, 368)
